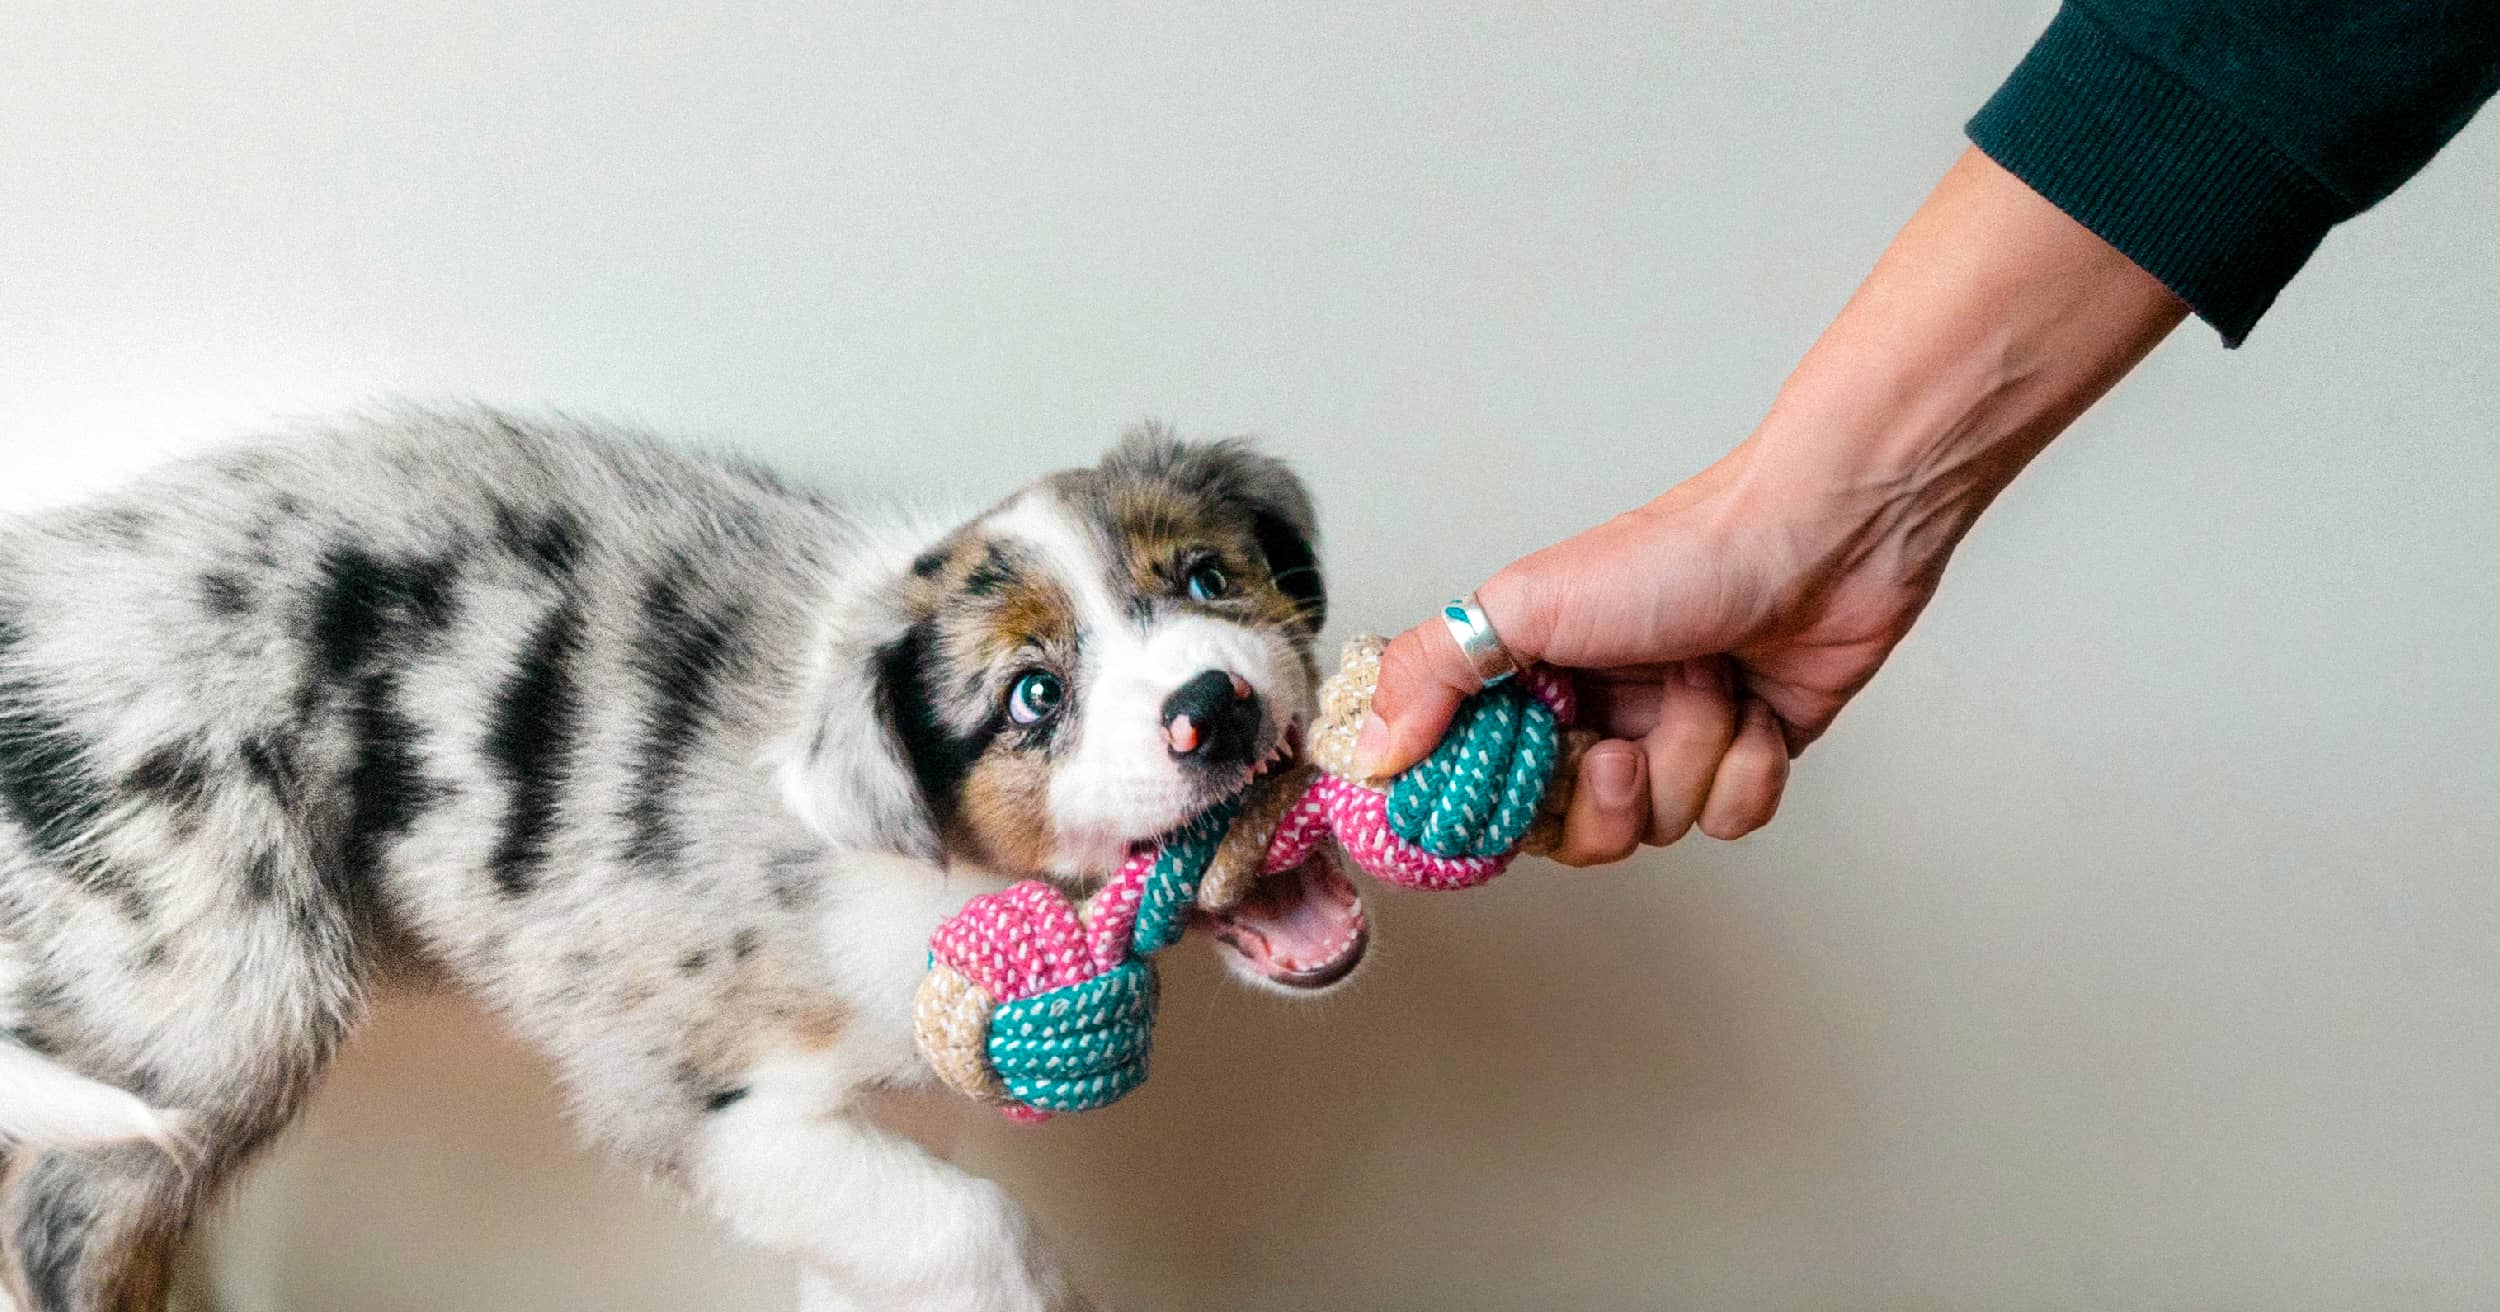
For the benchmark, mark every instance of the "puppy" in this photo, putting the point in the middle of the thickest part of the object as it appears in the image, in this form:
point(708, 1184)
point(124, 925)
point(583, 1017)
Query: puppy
point(674, 766)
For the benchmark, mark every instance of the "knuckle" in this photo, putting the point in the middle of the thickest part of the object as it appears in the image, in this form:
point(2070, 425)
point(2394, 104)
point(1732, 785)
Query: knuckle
point(1762, 746)
point(1674, 806)
point(1698, 727)
point(1600, 838)
point(1730, 826)
point(1667, 833)
point(1748, 806)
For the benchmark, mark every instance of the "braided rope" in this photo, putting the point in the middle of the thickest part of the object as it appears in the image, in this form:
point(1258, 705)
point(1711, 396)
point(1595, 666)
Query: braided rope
point(1040, 1007)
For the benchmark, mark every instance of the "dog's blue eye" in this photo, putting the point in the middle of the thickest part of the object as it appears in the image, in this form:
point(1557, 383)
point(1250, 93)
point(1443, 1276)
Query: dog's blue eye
point(1207, 582)
point(1036, 697)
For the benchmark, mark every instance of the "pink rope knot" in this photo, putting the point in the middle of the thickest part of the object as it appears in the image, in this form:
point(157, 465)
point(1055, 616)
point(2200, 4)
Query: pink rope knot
point(1027, 938)
point(1357, 817)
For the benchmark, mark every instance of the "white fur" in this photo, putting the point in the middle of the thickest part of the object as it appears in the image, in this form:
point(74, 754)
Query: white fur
point(834, 770)
point(878, 915)
point(875, 1221)
point(43, 1103)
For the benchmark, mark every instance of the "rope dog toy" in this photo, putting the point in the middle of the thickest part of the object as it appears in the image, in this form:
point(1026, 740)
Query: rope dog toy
point(1038, 1006)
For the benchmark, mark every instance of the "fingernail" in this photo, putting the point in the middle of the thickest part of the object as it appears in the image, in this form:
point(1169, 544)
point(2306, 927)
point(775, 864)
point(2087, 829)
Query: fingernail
point(1371, 742)
point(1614, 775)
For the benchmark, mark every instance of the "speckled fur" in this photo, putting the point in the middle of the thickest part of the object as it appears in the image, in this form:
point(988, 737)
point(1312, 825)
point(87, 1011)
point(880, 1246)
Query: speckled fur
point(616, 738)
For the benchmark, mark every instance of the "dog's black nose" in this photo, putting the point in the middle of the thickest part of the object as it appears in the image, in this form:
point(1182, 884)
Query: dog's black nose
point(1213, 718)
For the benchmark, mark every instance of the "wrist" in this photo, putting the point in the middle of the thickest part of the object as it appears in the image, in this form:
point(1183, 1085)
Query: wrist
point(1991, 323)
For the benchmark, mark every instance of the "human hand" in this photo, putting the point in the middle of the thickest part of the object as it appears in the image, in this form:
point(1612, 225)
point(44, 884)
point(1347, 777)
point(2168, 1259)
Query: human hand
point(1716, 631)
point(1712, 634)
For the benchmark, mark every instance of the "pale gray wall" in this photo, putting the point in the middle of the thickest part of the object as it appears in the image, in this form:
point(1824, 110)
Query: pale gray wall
point(2134, 942)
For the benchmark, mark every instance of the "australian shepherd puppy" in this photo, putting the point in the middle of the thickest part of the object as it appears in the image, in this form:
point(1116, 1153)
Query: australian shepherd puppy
point(674, 766)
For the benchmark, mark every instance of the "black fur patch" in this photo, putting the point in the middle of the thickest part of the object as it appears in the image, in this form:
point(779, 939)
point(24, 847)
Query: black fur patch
point(271, 763)
point(260, 876)
point(367, 602)
point(52, 1228)
point(1294, 566)
point(724, 1100)
point(386, 794)
point(928, 564)
point(994, 574)
point(47, 778)
point(225, 595)
point(684, 653)
point(531, 742)
point(940, 757)
point(553, 541)
point(173, 775)
point(693, 962)
point(368, 616)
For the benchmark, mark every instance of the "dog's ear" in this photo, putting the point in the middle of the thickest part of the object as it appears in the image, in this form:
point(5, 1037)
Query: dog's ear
point(1238, 474)
point(850, 774)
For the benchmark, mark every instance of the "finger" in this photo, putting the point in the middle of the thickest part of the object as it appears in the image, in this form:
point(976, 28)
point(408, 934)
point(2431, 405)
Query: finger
point(1608, 809)
point(1423, 678)
point(1745, 794)
point(1696, 723)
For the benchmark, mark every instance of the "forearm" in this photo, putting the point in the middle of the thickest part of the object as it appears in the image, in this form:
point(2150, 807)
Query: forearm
point(1988, 326)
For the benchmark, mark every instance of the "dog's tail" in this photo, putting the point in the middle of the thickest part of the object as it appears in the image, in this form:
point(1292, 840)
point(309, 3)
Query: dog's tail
point(45, 1104)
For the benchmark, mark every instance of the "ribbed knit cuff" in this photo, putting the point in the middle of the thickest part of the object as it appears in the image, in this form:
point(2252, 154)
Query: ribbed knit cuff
point(2182, 188)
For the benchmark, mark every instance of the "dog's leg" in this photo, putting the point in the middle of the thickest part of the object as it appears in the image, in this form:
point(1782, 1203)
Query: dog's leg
point(95, 1230)
point(96, 1227)
point(142, 1085)
point(878, 1223)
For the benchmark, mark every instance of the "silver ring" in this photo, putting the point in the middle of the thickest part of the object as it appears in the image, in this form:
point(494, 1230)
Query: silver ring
point(1477, 641)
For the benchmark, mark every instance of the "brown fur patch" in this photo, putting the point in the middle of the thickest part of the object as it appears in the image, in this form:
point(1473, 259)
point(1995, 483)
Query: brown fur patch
point(1161, 527)
point(1005, 810)
point(818, 1028)
point(992, 614)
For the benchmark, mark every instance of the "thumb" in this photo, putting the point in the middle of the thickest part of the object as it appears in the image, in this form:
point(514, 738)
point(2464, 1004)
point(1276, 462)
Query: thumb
point(1423, 678)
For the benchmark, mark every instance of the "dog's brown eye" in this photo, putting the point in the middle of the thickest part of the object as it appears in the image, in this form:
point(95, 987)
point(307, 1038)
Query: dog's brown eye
point(1035, 697)
point(1206, 581)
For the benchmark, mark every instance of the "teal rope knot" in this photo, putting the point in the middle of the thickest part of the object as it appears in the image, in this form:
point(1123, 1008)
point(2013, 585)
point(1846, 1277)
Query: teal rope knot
point(1477, 794)
point(1084, 1045)
point(1077, 1047)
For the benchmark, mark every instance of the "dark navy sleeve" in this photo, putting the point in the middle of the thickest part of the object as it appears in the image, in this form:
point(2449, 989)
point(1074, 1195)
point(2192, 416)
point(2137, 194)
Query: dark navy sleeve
point(2214, 142)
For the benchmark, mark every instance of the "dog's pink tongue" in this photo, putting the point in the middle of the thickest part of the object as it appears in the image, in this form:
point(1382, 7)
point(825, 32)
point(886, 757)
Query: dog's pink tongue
point(1303, 926)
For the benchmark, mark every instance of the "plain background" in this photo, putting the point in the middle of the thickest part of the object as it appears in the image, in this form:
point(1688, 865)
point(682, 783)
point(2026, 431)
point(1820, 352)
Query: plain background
point(2133, 943)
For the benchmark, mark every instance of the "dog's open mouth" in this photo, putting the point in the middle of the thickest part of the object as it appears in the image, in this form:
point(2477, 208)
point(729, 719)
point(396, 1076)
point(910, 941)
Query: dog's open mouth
point(1301, 928)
